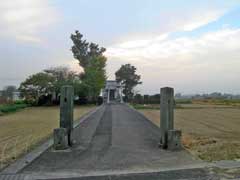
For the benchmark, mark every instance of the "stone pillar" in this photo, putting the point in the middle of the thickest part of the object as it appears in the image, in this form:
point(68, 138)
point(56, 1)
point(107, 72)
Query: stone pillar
point(166, 114)
point(120, 92)
point(115, 95)
point(66, 111)
point(108, 96)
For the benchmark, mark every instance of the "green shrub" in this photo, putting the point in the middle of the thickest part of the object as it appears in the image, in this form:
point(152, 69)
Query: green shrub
point(183, 101)
point(20, 102)
point(31, 102)
point(12, 107)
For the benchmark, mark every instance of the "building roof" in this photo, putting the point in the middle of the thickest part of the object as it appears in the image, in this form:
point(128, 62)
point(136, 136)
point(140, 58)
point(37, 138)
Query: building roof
point(111, 84)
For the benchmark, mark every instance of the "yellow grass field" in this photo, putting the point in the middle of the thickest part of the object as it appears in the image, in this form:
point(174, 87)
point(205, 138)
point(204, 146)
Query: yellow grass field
point(22, 130)
point(209, 132)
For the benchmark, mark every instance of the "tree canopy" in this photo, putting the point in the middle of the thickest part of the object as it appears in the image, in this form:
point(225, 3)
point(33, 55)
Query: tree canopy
point(49, 82)
point(37, 85)
point(92, 60)
point(86, 85)
point(127, 76)
point(84, 51)
point(94, 77)
point(63, 76)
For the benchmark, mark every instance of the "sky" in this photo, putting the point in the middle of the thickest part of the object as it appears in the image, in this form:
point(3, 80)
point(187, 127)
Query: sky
point(193, 46)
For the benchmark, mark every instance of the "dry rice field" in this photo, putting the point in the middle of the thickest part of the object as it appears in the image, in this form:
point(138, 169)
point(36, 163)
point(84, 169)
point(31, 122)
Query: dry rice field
point(21, 131)
point(209, 132)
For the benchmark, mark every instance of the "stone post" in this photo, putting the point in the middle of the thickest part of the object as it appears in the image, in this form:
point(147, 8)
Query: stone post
point(120, 92)
point(60, 139)
point(166, 114)
point(108, 96)
point(174, 140)
point(66, 111)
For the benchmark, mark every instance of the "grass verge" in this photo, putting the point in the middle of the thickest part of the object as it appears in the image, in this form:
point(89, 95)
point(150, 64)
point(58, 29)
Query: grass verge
point(11, 108)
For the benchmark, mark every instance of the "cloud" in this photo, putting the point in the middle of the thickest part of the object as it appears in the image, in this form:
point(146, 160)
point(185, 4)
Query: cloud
point(74, 66)
point(215, 55)
point(28, 38)
point(171, 22)
point(196, 20)
point(183, 48)
point(24, 19)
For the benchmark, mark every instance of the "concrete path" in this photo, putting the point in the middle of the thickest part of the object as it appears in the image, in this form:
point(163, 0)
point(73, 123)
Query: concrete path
point(116, 142)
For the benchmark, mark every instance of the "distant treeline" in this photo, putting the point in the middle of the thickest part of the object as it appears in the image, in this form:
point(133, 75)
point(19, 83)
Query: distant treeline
point(214, 95)
point(183, 99)
point(146, 99)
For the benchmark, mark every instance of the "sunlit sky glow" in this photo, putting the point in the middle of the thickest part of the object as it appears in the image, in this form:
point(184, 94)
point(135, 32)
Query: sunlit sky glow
point(189, 45)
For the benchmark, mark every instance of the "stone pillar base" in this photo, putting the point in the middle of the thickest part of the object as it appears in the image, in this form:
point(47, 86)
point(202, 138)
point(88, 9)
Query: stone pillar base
point(60, 137)
point(174, 140)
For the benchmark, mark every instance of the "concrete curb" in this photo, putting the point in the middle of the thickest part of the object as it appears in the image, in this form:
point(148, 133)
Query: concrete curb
point(227, 164)
point(35, 153)
point(97, 175)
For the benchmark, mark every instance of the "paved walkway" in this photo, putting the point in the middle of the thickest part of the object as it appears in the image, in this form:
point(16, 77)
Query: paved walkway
point(115, 140)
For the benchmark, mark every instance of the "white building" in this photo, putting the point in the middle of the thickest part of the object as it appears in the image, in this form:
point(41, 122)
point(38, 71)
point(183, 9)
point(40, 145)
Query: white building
point(16, 96)
point(112, 92)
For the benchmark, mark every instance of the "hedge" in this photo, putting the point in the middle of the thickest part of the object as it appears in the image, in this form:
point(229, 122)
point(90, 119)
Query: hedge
point(11, 107)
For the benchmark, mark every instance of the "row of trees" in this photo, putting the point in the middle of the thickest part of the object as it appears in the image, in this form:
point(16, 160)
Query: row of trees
point(45, 86)
point(146, 99)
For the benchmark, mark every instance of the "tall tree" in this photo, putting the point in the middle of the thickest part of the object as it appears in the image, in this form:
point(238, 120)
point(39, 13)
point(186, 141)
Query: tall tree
point(127, 76)
point(95, 76)
point(92, 60)
point(84, 51)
